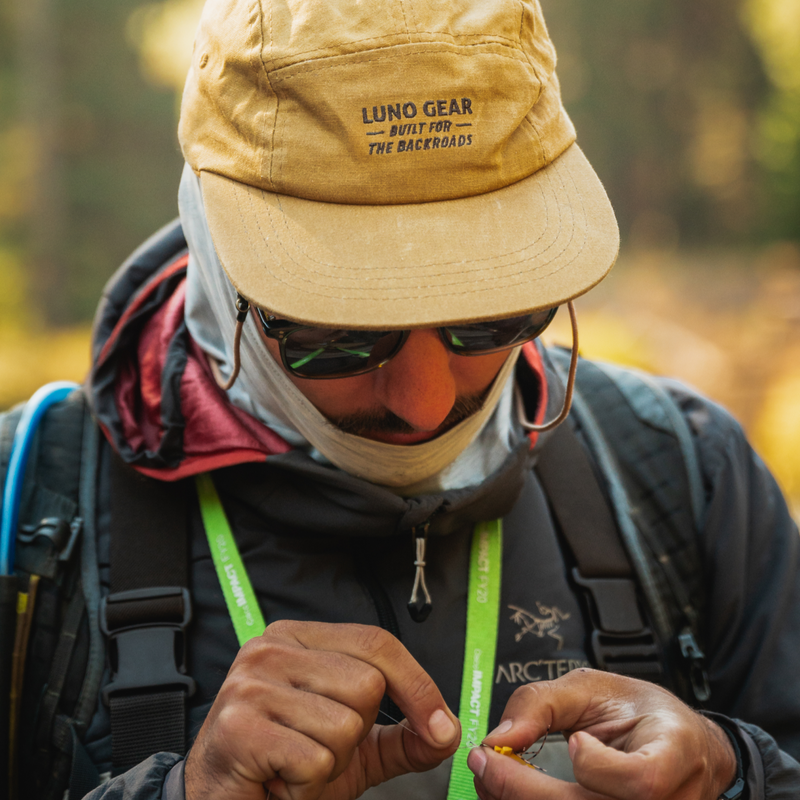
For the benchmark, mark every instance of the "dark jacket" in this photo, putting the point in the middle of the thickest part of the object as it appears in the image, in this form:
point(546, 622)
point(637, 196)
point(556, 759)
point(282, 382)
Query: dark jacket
point(316, 542)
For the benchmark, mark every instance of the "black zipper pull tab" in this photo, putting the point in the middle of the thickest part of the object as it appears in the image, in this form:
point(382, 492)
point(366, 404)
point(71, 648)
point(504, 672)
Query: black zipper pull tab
point(420, 608)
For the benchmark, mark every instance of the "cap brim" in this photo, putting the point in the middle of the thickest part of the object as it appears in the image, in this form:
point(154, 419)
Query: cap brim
point(536, 243)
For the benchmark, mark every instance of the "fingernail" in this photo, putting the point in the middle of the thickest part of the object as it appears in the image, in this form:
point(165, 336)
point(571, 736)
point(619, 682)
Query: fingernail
point(476, 761)
point(504, 727)
point(441, 727)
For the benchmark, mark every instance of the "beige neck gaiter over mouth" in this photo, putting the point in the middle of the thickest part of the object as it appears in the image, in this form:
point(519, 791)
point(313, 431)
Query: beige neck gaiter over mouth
point(402, 467)
point(463, 456)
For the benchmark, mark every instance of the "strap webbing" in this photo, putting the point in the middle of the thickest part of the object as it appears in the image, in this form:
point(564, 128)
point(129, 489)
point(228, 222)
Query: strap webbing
point(148, 531)
point(144, 724)
point(63, 656)
point(149, 549)
point(581, 509)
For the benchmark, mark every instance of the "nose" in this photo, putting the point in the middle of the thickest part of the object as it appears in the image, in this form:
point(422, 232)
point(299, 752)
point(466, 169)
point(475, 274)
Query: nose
point(417, 384)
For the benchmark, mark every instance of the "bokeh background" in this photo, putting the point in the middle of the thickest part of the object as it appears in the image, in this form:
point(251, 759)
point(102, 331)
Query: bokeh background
point(688, 109)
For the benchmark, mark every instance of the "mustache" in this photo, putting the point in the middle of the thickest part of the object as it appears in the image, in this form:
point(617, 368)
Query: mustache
point(364, 423)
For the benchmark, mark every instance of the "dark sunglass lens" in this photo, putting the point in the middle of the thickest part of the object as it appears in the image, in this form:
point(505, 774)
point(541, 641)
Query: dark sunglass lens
point(332, 353)
point(484, 337)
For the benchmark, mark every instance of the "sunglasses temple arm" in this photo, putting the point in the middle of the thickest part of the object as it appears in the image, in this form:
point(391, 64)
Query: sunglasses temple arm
point(573, 366)
point(242, 307)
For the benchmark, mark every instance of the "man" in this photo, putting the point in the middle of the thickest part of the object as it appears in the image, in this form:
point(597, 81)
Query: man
point(383, 202)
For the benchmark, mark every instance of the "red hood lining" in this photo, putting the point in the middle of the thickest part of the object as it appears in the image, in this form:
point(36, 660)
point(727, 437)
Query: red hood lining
point(215, 433)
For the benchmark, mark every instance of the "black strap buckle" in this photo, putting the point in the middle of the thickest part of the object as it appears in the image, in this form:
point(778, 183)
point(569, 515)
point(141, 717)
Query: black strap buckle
point(621, 641)
point(628, 654)
point(146, 631)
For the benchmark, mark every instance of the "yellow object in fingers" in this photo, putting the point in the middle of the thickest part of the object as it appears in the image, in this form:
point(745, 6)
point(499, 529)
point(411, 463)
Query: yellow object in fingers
point(507, 751)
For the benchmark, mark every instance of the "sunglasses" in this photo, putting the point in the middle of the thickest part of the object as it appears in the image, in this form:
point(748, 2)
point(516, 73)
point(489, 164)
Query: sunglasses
point(309, 352)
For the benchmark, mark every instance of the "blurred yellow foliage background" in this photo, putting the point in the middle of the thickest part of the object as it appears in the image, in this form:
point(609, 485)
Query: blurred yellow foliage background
point(726, 323)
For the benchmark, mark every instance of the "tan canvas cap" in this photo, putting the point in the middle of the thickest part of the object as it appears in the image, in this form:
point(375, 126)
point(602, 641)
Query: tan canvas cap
point(391, 163)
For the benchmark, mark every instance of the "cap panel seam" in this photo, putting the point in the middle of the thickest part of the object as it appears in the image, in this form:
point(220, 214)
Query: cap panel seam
point(281, 138)
point(484, 39)
point(268, 83)
point(545, 155)
point(302, 70)
point(522, 49)
point(411, 5)
point(405, 21)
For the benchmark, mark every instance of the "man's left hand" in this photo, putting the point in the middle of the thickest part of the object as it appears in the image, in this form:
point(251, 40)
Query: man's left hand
point(628, 740)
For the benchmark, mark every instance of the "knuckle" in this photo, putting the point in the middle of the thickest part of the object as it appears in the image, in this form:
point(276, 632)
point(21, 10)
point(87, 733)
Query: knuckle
point(420, 688)
point(523, 692)
point(249, 651)
point(321, 762)
point(350, 726)
point(374, 642)
point(372, 686)
point(259, 653)
point(241, 690)
point(281, 629)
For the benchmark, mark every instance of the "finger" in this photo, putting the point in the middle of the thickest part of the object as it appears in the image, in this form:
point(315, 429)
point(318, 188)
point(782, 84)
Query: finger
point(331, 724)
point(580, 699)
point(393, 750)
point(649, 771)
point(302, 765)
point(407, 683)
point(341, 678)
point(498, 777)
point(221, 768)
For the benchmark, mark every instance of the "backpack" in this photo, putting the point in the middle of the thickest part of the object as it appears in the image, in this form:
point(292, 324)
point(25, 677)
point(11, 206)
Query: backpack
point(57, 643)
point(637, 455)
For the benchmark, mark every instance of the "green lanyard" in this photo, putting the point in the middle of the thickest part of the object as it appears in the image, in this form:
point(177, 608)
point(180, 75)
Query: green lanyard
point(483, 611)
point(248, 621)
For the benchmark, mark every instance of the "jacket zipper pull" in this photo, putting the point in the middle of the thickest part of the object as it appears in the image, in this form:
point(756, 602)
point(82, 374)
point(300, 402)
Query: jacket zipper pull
point(420, 608)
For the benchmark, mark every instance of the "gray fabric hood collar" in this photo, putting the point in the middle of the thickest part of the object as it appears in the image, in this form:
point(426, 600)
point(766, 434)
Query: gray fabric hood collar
point(305, 498)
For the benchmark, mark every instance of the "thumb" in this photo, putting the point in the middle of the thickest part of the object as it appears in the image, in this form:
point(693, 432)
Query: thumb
point(609, 771)
point(393, 750)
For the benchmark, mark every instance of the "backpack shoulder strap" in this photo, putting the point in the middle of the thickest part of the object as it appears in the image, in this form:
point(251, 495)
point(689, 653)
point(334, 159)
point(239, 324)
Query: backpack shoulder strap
point(145, 616)
point(643, 449)
point(621, 640)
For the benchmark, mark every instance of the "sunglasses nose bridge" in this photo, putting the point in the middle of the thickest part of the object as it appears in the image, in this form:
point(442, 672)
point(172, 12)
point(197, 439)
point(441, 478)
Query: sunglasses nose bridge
point(393, 349)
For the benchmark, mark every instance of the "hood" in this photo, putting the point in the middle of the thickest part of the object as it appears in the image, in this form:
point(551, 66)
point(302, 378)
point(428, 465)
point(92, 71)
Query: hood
point(153, 393)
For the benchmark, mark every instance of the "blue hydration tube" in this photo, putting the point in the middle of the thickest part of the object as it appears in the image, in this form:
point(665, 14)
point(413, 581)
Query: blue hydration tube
point(20, 449)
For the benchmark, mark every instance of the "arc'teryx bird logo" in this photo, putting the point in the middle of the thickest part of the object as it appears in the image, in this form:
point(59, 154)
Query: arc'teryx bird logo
point(548, 623)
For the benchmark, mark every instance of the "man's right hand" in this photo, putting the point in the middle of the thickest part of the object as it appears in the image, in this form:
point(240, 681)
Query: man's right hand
point(296, 714)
